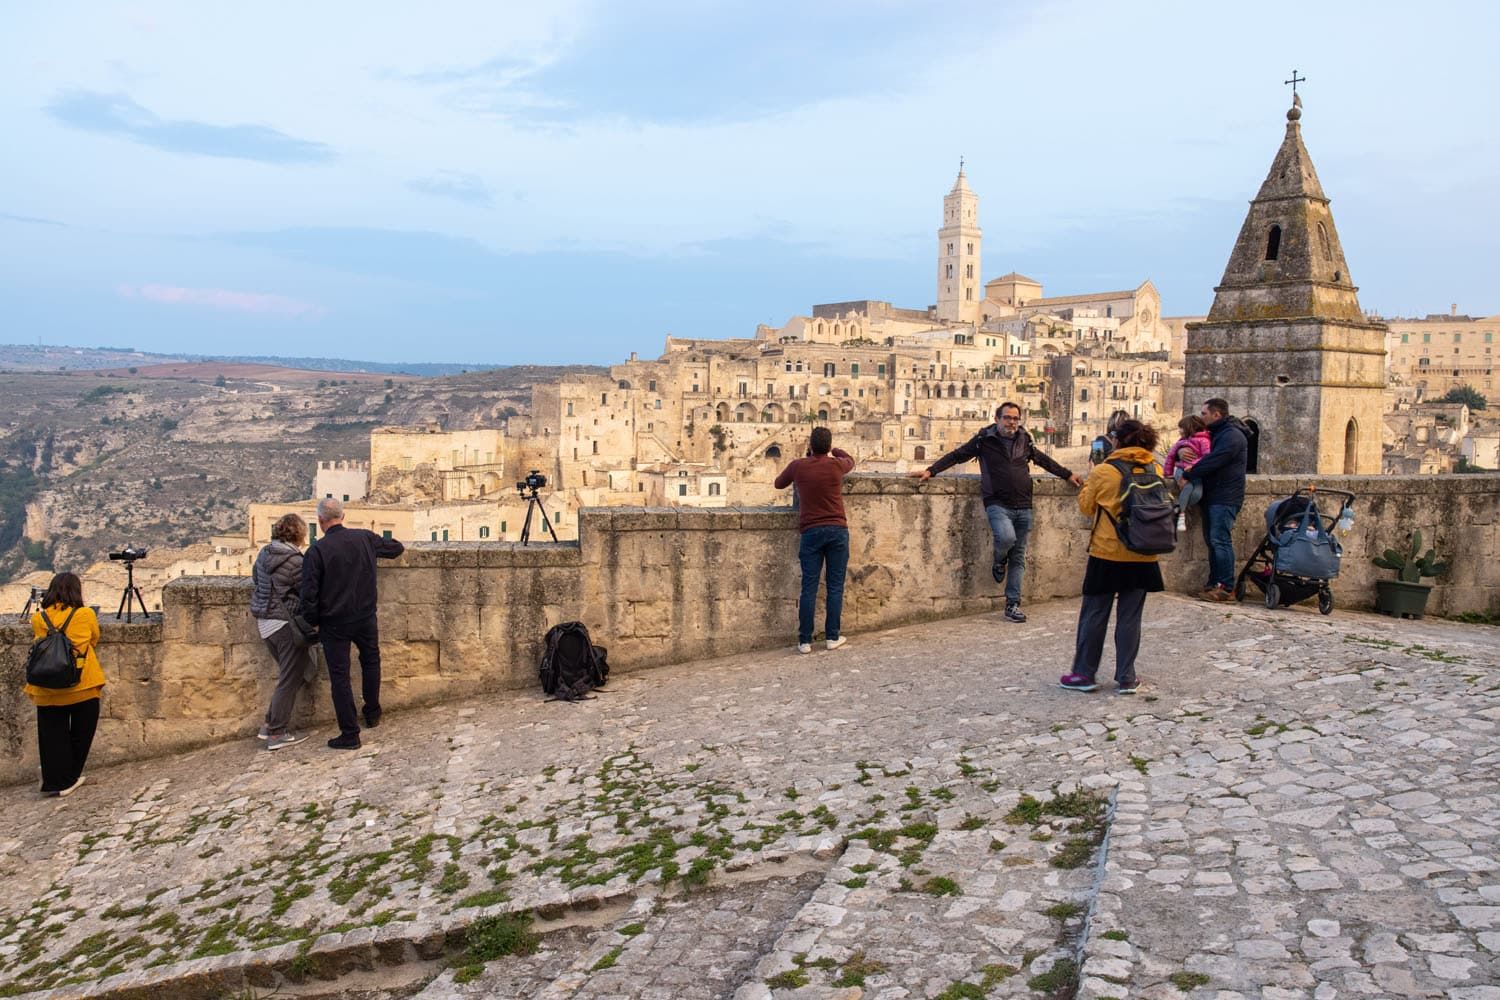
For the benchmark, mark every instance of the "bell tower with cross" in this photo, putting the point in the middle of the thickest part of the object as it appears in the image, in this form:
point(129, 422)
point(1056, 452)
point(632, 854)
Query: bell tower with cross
point(1286, 342)
point(959, 279)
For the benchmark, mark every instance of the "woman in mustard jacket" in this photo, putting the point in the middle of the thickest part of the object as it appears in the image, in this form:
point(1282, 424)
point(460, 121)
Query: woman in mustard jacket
point(67, 717)
point(1115, 575)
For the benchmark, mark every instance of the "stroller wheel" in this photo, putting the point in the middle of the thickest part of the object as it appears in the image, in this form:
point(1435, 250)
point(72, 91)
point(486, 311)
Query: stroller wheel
point(1273, 595)
point(1325, 602)
point(1239, 588)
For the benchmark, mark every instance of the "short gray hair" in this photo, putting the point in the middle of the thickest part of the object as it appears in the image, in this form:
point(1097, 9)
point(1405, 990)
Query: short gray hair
point(330, 509)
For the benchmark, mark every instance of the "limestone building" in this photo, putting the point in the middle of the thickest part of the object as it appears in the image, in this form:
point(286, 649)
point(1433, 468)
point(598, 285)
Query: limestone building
point(1285, 341)
point(1444, 351)
point(959, 245)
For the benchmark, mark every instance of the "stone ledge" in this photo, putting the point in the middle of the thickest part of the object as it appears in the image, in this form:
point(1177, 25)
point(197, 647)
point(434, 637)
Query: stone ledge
point(335, 953)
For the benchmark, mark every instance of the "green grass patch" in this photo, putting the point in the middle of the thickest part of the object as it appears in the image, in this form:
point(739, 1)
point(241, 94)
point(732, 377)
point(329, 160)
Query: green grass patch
point(791, 979)
point(857, 968)
point(941, 886)
point(1115, 936)
point(1063, 911)
point(608, 959)
point(1060, 980)
point(631, 930)
point(495, 937)
point(1187, 981)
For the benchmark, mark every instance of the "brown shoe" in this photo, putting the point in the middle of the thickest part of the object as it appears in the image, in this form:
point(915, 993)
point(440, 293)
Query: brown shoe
point(1217, 595)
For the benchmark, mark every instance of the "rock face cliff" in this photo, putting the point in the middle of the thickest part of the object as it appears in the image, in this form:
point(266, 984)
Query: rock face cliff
point(92, 461)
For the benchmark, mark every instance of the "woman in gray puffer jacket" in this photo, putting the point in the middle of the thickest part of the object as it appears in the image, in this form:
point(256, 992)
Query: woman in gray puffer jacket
point(277, 576)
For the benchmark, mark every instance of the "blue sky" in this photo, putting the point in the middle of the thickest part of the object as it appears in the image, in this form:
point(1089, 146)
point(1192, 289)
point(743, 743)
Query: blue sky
point(490, 182)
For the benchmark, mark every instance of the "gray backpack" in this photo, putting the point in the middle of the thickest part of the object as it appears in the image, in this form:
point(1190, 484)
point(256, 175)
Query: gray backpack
point(1148, 521)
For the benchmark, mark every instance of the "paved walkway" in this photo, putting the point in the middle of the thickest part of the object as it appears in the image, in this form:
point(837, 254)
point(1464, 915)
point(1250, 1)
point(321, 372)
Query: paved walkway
point(1294, 806)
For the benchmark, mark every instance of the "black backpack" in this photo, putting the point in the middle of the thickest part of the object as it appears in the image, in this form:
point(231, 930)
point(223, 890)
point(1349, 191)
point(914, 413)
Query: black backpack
point(1148, 520)
point(52, 662)
point(571, 665)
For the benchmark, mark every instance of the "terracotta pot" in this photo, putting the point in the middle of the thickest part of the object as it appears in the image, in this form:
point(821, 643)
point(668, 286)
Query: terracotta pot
point(1400, 599)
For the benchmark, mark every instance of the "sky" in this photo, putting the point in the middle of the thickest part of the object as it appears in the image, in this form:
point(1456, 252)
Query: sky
point(497, 182)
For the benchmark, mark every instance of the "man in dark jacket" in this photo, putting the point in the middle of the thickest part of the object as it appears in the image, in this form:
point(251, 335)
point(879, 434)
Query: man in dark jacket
point(338, 596)
point(1005, 454)
point(1222, 473)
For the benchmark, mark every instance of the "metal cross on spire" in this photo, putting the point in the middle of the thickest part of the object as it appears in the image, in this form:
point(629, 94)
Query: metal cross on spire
point(1294, 81)
point(960, 163)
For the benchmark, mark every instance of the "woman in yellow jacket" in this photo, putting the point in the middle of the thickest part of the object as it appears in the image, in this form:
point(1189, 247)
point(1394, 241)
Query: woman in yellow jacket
point(1115, 575)
point(67, 717)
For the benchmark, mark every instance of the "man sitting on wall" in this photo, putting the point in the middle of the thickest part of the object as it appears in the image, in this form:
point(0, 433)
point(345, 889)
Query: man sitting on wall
point(1005, 454)
point(338, 596)
point(1222, 473)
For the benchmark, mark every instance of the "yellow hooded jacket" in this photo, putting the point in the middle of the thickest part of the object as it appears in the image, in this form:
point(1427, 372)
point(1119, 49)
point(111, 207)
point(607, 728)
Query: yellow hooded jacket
point(83, 633)
point(1101, 492)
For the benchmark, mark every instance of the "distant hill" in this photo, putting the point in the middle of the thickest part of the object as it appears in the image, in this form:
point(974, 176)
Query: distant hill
point(47, 358)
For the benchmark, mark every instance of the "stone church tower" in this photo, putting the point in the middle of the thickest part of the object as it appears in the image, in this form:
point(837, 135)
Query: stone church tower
point(959, 285)
point(1286, 342)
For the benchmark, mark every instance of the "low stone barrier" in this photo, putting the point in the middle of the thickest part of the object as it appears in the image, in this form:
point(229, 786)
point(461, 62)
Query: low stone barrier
point(661, 586)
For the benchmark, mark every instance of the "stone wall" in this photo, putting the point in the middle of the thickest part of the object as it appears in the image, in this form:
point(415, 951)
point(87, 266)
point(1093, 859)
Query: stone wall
point(667, 586)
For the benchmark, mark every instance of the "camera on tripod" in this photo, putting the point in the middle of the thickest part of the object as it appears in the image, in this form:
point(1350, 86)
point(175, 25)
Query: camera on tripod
point(132, 595)
point(534, 481)
point(128, 554)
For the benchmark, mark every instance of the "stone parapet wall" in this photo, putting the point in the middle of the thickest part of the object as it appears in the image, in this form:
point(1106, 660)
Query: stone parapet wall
point(661, 586)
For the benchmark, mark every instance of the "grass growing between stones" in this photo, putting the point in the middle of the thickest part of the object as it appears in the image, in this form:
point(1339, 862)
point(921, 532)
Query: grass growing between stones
point(1059, 981)
point(1188, 981)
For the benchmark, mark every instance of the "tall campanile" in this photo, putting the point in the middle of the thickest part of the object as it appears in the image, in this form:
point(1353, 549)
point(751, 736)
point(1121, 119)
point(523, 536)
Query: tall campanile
point(958, 275)
point(1286, 342)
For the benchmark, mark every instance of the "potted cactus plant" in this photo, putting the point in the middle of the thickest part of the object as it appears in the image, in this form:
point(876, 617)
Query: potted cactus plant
point(1406, 596)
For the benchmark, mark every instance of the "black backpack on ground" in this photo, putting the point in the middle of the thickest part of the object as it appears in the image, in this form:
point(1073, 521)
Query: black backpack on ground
point(571, 666)
point(1148, 520)
point(52, 662)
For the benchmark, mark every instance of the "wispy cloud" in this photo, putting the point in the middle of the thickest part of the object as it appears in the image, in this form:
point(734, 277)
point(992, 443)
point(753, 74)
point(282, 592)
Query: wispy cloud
point(467, 188)
point(222, 298)
point(117, 114)
point(31, 220)
point(663, 63)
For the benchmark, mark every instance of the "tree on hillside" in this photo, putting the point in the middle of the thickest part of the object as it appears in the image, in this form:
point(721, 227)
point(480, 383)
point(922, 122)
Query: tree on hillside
point(1467, 395)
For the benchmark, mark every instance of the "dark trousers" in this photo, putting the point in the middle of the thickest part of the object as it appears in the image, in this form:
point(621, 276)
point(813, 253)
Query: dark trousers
point(64, 734)
point(365, 635)
point(292, 663)
point(1093, 623)
point(824, 545)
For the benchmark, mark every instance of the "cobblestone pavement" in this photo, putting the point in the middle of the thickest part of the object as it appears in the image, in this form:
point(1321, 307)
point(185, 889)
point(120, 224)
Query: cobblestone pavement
point(1294, 806)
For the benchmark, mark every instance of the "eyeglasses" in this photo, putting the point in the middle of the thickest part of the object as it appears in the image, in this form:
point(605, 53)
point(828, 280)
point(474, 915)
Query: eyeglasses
point(1012, 416)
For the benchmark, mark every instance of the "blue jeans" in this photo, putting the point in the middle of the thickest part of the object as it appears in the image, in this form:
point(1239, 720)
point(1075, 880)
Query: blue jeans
point(1011, 528)
point(1218, 534)
point(825, 545)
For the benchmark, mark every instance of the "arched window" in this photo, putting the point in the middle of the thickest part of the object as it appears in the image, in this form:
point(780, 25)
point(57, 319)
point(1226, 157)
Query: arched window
point(713, 489)
point(1273, 243)
point(1351, 447)
point(624, 384)
point(1324, 243)
point(823, 415)
point(774, 451)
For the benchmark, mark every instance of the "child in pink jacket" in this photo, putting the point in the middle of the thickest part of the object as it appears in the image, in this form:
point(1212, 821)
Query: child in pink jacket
point(1183, 455)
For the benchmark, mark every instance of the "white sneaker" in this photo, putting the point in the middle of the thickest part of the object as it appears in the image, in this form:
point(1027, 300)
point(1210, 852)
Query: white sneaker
point(264, 733)
point(804, 647)
point(836, 643)
point(73, 787)
point(1181, 522)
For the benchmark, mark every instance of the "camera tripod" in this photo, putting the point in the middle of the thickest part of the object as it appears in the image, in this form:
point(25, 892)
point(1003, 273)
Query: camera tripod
point(534, 503)
point(34, 601)
point(131, 591)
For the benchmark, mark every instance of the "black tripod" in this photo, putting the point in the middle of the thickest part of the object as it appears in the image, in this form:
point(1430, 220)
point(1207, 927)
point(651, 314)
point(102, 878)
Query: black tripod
point(534, 503)
point(34, 601)
point(131, 591)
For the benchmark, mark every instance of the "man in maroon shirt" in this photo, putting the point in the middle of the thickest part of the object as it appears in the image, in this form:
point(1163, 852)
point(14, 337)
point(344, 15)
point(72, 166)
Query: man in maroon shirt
point(825, 533)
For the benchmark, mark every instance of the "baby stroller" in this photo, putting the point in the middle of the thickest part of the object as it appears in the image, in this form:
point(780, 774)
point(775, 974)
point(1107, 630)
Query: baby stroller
point(1298, 555)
